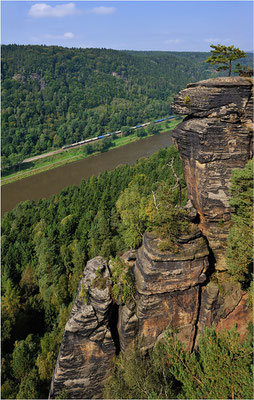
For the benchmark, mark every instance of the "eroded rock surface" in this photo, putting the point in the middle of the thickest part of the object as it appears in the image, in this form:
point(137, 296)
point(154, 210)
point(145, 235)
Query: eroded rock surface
point(32, 77)
point(127, 324)
point(171, 289)
point(214, 139)
point(224, 304)
point(87, 345)
point(168, 287)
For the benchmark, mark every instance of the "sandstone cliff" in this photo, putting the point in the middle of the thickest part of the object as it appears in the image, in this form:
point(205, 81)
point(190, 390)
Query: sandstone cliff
point(171, 289)
point(214, 138)
point(168, 287)
point(87, 345)
point(168, 293)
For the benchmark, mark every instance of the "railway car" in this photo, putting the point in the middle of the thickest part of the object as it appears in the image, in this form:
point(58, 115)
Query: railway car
point(160, 120)
point(68, 146)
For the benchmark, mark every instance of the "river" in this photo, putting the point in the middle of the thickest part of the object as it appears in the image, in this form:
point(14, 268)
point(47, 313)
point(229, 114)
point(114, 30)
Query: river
point(51, 182)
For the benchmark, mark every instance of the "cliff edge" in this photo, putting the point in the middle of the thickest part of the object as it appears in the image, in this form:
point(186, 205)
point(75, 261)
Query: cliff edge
point(214, 138)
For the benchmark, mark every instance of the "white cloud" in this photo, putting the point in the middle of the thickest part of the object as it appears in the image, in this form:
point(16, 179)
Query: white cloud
point(212, 40)
point(173, 41)
point(216, 40)
point(68, 35)
point(42, 10)
point(103, 10)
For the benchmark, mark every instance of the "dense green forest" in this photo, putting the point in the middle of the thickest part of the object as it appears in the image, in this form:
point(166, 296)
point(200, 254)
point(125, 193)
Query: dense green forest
point(219, 368)
point(52, 96)
point(45, 247)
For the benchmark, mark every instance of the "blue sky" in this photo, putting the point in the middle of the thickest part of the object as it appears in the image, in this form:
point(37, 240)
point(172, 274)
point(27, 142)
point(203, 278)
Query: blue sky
point(137, 25)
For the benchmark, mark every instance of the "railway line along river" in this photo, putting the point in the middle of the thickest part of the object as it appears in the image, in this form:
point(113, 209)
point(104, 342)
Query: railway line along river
point(53, 181)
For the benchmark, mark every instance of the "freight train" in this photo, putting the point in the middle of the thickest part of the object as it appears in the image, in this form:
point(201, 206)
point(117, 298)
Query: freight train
point(68, 146)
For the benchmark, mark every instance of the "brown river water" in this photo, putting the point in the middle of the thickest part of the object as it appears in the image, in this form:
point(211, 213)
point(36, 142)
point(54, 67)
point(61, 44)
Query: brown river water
point(51, 182)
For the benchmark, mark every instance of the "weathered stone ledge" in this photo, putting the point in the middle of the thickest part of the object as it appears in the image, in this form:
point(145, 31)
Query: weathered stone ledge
point(162, 272)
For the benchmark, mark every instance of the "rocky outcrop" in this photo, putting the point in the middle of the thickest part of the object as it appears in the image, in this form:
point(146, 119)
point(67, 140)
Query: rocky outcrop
point(36, 77)
point(127, 324)
point(32, 77)
point(87, 345)
point(163, 272)
point(171, 289)
point(168, 288)
point(241, 315)
point(19, 78)
point(168, 293)
point(223, 304)
point(214, 139)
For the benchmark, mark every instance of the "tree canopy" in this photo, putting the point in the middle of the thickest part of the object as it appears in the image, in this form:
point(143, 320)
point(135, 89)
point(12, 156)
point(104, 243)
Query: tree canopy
point(240, 239)
point(219, 368)
point(53, 96)
point(45, 247)
point(225, 55)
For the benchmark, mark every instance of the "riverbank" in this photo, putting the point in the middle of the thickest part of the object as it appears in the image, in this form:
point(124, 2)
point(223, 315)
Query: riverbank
point(76, 154)
point(53, 181)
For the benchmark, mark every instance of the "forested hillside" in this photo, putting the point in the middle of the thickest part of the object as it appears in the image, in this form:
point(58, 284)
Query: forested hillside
point(53, 96)
point(45, 247)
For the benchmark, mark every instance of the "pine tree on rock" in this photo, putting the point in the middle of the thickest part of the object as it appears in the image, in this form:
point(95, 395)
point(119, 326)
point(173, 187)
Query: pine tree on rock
point(224, 55)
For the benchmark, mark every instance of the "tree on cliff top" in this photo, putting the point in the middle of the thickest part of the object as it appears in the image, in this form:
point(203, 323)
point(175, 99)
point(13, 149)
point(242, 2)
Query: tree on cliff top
point(224, 55)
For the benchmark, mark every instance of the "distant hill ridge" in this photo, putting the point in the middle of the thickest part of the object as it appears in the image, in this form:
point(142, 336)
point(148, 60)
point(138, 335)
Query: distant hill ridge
point(52, 96)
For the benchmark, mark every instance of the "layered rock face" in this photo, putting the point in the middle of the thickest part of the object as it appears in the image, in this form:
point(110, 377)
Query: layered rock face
point(224, 304)
point(214, 139)
point(87, 345)
point(167, 292)
point(168, 287)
